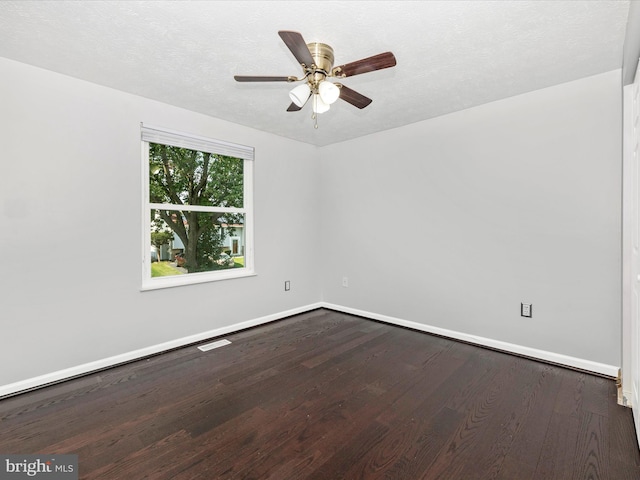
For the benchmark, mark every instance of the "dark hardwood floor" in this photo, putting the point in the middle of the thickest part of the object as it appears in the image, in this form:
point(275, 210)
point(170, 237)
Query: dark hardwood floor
point(329, 396)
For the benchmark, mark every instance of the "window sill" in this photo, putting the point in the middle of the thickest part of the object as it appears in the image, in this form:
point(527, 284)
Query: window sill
point(194, 278)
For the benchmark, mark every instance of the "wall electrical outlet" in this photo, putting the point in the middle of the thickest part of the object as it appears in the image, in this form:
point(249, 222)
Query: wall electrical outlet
point(345, 281)
point(526, 310)
point(287, 285)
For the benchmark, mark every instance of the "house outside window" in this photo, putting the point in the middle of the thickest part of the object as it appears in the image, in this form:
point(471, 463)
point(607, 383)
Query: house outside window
point(197, 214)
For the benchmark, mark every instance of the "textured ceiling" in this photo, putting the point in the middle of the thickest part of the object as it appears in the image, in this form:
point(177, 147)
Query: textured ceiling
point(451, 55)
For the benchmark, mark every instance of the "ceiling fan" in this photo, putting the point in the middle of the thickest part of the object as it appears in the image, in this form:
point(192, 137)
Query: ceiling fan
point(316, 60)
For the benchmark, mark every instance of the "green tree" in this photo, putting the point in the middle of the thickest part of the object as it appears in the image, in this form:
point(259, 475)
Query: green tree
point(184, 177)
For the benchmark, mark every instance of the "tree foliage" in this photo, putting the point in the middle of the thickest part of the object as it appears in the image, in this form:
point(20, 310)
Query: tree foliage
point(184, 177)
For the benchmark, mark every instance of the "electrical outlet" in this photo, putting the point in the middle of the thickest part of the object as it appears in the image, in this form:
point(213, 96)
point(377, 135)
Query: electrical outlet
point(526, 310)
point(345, 281)
point(287, 285)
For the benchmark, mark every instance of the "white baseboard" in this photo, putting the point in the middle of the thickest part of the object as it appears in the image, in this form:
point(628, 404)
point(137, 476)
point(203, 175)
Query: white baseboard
point(557, 358)
point(60, 375)
point(35, 382)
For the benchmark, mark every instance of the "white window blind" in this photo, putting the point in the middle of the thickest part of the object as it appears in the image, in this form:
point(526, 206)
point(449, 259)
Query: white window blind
point(185, 140)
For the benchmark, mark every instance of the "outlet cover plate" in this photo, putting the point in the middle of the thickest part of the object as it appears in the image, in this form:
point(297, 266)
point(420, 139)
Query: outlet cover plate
point(526, 310)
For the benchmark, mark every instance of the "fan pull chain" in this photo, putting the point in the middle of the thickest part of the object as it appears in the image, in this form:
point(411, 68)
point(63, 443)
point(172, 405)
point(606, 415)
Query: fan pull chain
point(314, 115)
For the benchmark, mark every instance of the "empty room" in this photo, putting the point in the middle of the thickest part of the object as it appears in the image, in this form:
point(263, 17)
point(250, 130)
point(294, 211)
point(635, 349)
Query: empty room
point(320, 240)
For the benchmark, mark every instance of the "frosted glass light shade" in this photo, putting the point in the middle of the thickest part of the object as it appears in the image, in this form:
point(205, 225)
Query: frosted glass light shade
point(300, 94)
point(318, 105)
point(328, 91)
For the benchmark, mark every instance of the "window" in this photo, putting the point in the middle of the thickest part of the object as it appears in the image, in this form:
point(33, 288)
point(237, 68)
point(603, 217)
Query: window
point(197, 209)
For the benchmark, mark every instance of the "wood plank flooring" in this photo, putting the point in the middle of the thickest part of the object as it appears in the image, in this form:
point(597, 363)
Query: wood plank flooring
point(329, 396)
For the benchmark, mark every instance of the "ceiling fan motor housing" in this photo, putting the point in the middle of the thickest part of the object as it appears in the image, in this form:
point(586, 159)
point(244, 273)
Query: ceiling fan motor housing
point(323, 58)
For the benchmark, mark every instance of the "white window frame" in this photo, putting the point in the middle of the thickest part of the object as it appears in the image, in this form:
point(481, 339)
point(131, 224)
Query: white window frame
point(151, 134)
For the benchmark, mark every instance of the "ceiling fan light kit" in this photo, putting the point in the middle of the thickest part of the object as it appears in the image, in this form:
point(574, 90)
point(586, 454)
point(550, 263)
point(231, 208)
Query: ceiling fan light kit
point(319, 106)
point(316, 60)
point(300, 94)
point(328, 91)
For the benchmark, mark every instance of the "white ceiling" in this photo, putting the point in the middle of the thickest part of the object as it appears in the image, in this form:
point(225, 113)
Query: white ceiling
point(451, 55)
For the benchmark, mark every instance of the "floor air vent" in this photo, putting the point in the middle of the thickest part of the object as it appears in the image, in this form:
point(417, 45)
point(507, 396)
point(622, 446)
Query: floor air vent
point(211, 346)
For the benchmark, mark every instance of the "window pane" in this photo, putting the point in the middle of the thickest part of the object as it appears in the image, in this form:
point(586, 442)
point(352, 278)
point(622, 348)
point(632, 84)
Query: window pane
point(181, 176)
point(184, 242)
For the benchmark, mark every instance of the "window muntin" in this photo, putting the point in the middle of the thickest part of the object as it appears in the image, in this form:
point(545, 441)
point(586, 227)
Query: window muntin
point(197, 209)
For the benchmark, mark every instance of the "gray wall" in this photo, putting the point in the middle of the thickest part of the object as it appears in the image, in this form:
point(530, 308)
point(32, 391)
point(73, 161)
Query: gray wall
point(450, 222)
point(71, 225)
point(454, 221)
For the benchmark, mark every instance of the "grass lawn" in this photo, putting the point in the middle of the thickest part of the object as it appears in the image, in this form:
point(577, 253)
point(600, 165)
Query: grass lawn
point(163, 269)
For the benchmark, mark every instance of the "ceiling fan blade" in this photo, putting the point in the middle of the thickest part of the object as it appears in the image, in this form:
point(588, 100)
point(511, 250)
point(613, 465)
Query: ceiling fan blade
point(354, 98)
point(297, 45)
point(369, 64)
point(250, 78)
